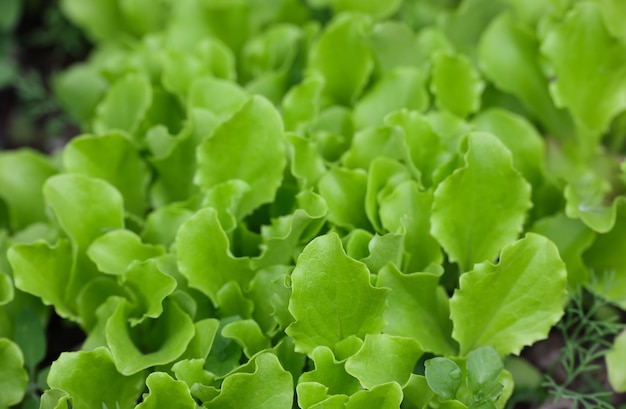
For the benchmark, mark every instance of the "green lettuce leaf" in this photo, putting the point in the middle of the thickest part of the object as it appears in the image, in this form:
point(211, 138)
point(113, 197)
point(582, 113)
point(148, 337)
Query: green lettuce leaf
point(344, 191)
point(384, 358)
point(113, 158)
point(487, 188)
point(268, 387)
point(513, 303)
point(509, 56)
point(456, 84)
point(332, 297)
point(417, 302)
point(342, 57)
point(204, 257)
point(589, 67)
point(84, 206)
point(152, 342)
point(386, 396)
point(124, 106)
point(328, 373)
point(249, 146)
point(90, 379)
point(166, 392)
point(115, 251)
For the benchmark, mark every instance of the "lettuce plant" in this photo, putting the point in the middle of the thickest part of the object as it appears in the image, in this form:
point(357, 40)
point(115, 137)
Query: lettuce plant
point(320, 204)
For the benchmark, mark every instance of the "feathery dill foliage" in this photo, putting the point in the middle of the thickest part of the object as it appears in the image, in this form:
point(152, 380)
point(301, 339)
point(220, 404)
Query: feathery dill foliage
point(588, 335)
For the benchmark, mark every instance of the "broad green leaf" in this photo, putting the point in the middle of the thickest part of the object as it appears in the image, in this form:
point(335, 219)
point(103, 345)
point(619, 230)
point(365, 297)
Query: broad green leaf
point(46, 272)
point(384, 358)
point(332, 297)
point(202, 94)
point(487, 188)
point(342, 58)
point(204, 257)
point(84, 206)
point(414, 205)
point(232, 302)
point(79, 89)
point(90, 379)
point(22, 174)
point(495, 306)
point(509, 56)
point(147, 286)
point(113, 158)
point(572, 238)
point(615, 363)
point(248, 335)
point(443, 376)
point(152, 342)
point(306, 163)
point(403, 87)
point(124, 105)
point(330, 373)
point(268, 387)
point(166, 392)
point(589, 67)
point(13, 376)
point(301, 104)
point(249, 146)
point(30, 337)
point(114, 252)
point(386, 396)
point(520, 137)
point(456, 84)
point(344, 190)
point(418, 309)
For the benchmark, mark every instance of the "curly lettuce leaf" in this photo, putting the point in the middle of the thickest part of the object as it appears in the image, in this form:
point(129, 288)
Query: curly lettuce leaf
point(418, 309)
point(332, 297)
point(91, 379)
point(111, 157)
point(204, 257)
point(589, 67)
point(250, 147)
point(482, 206)
point(268, 387)
point(513, 303)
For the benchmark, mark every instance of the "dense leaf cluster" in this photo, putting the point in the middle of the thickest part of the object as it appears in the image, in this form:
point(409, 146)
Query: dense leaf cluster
point(320, 204)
